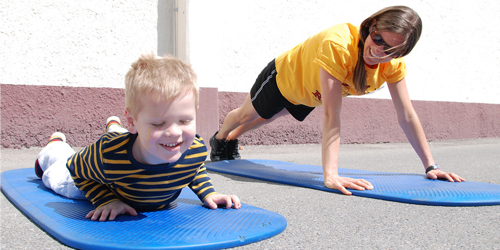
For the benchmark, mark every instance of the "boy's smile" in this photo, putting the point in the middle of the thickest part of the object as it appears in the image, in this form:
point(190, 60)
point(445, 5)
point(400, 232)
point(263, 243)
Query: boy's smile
point(166, 129)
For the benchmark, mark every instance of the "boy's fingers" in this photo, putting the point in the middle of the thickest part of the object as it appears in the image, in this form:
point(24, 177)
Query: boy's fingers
point(131, 211)
point(211, 204)
point(89, 215)
point(236, 201)
point(229, 202)
point(113, 214)
point(104, 215)
point(96, 214)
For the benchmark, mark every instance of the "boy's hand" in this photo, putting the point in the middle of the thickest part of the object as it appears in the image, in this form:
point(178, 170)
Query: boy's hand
point(341, 183)
point(214, 200)
point(112, 210)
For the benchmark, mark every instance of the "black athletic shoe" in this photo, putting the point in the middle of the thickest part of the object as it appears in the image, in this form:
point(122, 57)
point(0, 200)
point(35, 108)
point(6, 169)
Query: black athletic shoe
point(219, 149)
point(233, 150)
point(38, 169)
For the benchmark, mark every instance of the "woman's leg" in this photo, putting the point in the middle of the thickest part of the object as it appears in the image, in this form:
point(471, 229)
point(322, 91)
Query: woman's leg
point(222, 149)
point(259, 122)
point(224, 143)
point(267, 99)
point(245, 114)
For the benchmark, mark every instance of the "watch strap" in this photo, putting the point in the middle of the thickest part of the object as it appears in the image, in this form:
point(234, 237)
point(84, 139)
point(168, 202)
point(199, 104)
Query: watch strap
point(432, 167)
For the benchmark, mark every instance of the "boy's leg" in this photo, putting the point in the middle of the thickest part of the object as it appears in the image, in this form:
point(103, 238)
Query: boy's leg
point(113, 124)
point(54, 150)
point(51, 165)
point(58, 179)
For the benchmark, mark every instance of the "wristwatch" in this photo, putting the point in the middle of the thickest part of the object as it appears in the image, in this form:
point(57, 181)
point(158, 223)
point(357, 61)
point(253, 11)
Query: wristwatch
point(432, 167)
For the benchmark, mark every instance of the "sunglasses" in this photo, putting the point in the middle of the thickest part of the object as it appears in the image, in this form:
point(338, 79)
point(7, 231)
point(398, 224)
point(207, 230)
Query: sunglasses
point(379, 41)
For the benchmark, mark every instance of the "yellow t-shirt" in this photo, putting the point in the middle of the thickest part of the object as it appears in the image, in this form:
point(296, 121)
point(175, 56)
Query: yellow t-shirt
point(335, 50)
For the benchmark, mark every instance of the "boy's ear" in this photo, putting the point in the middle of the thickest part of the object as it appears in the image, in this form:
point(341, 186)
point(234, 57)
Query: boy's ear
point(131, 125)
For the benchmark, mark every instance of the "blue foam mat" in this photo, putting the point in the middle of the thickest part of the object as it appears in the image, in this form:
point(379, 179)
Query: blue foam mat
point(401, 187)
point(185, 224)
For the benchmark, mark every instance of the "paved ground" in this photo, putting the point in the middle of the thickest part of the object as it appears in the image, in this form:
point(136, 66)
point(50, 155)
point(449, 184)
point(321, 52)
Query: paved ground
point(322, 220)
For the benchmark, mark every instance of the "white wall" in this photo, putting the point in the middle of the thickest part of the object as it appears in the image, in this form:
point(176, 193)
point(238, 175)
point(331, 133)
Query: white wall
point(92, 43)
point(87, 43)
point(457, 58)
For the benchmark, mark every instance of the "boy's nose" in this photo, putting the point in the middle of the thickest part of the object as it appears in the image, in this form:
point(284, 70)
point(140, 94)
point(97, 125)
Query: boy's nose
point(173, 130)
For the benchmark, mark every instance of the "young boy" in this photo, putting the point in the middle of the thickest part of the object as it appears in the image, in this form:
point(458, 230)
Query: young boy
point(147, 167)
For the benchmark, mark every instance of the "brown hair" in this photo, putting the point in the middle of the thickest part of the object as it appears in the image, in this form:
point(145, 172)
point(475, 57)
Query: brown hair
point(163, 78)
point(397, 19)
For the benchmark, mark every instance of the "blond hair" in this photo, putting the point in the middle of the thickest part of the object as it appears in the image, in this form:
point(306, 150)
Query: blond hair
point(161, 78)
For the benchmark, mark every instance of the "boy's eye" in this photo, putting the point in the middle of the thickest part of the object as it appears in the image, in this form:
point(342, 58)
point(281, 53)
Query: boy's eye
point(186, 121)
point(158, 124)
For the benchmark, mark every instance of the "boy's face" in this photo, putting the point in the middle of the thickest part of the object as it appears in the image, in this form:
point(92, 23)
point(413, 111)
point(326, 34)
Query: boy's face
point(166, 129)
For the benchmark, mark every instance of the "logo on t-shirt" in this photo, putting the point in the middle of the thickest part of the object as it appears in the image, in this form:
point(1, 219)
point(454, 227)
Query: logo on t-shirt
point(345, 90)
point(317, 96)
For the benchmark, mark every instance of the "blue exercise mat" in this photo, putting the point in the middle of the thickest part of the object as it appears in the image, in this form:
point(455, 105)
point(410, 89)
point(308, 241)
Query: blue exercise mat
point(401, 187)
point(185, 224)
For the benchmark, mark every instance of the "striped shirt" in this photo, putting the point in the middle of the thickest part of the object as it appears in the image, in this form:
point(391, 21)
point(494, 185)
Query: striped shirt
point(106, 171)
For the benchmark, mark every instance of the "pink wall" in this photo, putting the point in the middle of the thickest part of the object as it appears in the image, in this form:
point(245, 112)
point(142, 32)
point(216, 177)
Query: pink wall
point(374, 121)
point(30, 114)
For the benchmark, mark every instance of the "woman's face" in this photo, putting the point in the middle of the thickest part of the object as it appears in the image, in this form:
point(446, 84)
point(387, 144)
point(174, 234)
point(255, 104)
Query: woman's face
point(377, 43)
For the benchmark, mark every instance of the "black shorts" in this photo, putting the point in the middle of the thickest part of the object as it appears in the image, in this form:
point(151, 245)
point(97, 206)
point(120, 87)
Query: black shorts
point(268, 100)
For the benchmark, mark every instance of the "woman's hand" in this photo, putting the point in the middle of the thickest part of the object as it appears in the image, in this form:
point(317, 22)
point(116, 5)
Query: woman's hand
point(112, 210)
point(439, 174)
point(341, 183)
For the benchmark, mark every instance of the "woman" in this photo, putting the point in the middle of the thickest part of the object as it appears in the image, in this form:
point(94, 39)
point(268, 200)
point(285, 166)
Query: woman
point(337, 62)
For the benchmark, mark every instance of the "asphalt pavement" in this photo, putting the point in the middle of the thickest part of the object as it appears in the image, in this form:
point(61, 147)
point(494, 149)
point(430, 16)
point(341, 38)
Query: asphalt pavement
point(324, 220)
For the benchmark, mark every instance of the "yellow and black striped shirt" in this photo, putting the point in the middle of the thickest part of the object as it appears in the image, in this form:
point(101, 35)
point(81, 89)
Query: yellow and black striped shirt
point(106, 171)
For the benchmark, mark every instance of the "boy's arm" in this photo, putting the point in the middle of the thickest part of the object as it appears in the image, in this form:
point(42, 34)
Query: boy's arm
point(112, 210)
point(86, 170)
point(202, 185)
point(95, 192)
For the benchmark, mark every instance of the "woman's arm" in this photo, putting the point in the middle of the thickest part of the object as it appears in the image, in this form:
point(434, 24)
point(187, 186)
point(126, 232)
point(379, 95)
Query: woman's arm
point(331, 97)
point(409, 122)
